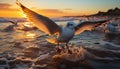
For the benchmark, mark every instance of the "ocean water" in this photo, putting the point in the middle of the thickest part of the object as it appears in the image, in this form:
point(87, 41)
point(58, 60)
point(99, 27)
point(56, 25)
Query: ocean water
point(93, 52)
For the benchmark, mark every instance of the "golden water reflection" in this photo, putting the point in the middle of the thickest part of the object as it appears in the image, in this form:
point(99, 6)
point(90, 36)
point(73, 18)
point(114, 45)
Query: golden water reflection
point(30, 35)
point(27, 36)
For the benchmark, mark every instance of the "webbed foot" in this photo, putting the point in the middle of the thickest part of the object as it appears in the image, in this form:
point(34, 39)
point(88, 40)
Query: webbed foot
point(59, 50)
point(69, 51)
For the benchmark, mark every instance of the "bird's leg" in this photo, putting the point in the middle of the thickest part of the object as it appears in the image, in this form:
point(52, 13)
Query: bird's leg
point(58, 49)
point(69, 51)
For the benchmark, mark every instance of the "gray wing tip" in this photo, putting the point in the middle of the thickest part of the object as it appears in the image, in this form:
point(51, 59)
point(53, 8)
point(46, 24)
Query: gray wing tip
point(13, 22)
point(19, 4)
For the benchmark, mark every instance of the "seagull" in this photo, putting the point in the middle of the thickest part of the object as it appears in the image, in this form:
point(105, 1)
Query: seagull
point(11, 27)
point(26, 29)
point(13, 22)
point(64, 35)
point(18, 27)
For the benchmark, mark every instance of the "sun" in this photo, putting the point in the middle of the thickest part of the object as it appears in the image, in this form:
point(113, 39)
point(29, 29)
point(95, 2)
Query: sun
point(23, 15)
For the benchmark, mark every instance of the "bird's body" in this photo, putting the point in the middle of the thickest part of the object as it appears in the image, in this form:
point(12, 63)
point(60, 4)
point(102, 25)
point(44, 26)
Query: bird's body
point(64, 35)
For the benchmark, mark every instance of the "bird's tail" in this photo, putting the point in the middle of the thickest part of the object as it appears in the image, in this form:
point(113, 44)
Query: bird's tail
point(52, 40)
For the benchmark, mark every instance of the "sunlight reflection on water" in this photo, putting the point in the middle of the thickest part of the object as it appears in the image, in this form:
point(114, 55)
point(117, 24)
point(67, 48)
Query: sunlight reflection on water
point(30, 35)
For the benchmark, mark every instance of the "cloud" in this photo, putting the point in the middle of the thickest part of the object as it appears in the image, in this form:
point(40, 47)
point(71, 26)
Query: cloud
point(68, 9)
point(7, 7)
point(55, 12)
point(50, 11)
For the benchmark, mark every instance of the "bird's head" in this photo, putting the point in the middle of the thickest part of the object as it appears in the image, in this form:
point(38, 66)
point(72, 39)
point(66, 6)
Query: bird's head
point(71, 24)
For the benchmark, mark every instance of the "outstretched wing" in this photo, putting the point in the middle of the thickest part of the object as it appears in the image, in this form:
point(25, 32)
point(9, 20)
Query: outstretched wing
point(43, 23)
point(87, 25)
point(13, 22)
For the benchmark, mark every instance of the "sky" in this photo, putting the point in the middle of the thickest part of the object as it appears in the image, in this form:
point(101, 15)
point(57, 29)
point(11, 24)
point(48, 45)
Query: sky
point(57, 8)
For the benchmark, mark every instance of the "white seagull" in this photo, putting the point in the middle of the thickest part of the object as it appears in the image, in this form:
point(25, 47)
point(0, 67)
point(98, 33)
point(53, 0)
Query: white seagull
point(64, 35)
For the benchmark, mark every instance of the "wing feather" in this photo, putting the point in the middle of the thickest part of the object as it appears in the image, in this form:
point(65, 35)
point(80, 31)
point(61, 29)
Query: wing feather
point(88, 25)
point(43, 23)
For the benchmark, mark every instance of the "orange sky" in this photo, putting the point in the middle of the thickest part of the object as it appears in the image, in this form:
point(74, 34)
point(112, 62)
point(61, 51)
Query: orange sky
point(12, 10)
point(53, 8)
point(11, 14)
point(46, 12)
